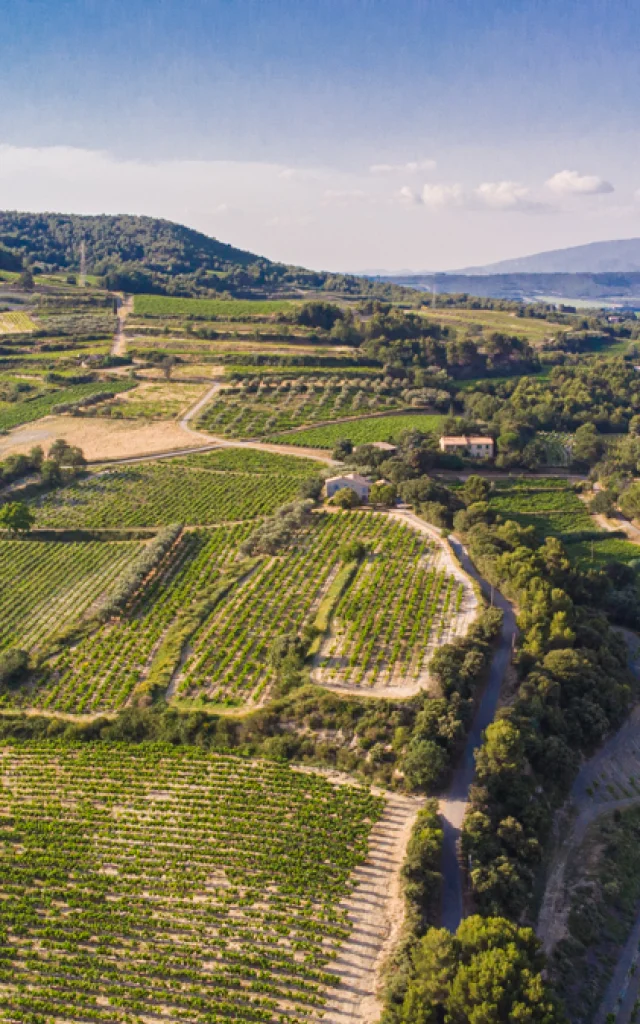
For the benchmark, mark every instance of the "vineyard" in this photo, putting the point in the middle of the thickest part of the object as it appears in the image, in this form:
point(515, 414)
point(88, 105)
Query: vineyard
point(148, 882)
point(259, 407)
point(362, 431)
point(551, 506)
point(402, 605)
point(225, 309)
point(16, 323)
point(229, 656)
point(101, 671)
point(46, 585)
point(190, 491)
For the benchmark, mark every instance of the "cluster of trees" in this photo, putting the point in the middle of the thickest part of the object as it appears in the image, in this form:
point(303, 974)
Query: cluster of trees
point(140, 569)
point(16, 467)
point(405, 341)
point(574, 689)
point(62, 463)
point(491, 970)
point(279, 530)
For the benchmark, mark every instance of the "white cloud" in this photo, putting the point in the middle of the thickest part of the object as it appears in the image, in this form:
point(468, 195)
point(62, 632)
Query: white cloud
point(408, 197)
point(298, 174)
point(508, 195)
point(344, 195)
point(440, 196)
point(574, 184)
point(412, 167)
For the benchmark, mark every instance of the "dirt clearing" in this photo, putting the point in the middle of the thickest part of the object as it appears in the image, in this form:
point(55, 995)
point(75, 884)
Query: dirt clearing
point(100, 438)
point(376, 910)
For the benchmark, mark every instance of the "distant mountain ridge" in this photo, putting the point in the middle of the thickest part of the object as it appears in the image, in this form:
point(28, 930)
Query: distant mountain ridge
point(612, 257)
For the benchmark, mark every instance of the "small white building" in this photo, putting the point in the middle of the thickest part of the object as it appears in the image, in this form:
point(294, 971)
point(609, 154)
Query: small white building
point(358, 484)
point(475, 447)
point(384, 446)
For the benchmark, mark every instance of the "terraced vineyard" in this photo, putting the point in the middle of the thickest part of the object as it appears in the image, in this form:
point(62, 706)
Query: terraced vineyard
point(362, 431)
point(46, 585)
point(190, 491)
point(275, 407)
point(148, 882)
point(403, 603)
point(101, 671)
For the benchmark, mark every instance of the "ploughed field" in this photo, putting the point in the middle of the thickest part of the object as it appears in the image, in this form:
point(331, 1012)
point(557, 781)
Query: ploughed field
point(144, 882)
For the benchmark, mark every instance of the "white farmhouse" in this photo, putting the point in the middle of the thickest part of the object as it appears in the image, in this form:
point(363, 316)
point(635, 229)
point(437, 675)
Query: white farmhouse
point(476, 447)
point(358, 484)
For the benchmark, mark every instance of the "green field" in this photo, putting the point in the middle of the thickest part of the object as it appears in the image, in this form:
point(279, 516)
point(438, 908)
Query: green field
point(368, 646)
point(166, 492)
point(157, 883)
point(550, 505)
point(594, 554)
point(230, 309)
point(364, 431)
point(100, 672)
point(16, 322)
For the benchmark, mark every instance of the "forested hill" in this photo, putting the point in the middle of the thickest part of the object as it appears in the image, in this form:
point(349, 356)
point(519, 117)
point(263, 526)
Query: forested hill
point(142, 254)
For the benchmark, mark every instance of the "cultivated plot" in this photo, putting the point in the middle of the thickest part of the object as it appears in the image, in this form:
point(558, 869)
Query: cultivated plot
point(155, 494)
point(362, 431)
point(47, 585)
point(148, 883)
point(101, 671)
point(260, 409)
point(400, 586)
point(403, 603)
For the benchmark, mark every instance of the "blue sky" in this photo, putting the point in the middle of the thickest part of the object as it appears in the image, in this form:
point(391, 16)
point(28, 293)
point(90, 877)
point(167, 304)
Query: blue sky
point(493, 128)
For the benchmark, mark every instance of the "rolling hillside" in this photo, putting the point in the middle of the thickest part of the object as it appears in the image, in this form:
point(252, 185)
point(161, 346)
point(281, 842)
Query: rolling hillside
point(147, 254)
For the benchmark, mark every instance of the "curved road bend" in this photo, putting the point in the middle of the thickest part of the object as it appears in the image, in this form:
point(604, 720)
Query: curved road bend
point(453, 805)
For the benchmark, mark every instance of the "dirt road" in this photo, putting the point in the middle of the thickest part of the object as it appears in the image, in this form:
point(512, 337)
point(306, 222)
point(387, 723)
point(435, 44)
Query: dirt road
point(125, 306)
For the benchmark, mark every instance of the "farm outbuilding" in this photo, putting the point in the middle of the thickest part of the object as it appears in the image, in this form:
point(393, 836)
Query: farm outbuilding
point(475, 447)
point(358, 484)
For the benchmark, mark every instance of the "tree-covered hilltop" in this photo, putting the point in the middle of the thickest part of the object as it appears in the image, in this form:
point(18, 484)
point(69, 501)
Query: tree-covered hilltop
point(147, 254)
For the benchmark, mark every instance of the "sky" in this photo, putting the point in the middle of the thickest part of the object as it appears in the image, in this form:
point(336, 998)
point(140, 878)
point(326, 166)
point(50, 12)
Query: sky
point(335, 134)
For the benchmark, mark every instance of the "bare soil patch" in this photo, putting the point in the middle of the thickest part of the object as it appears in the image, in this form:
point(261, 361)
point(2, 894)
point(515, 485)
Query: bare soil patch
point(376, 910)
point(100, 438)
